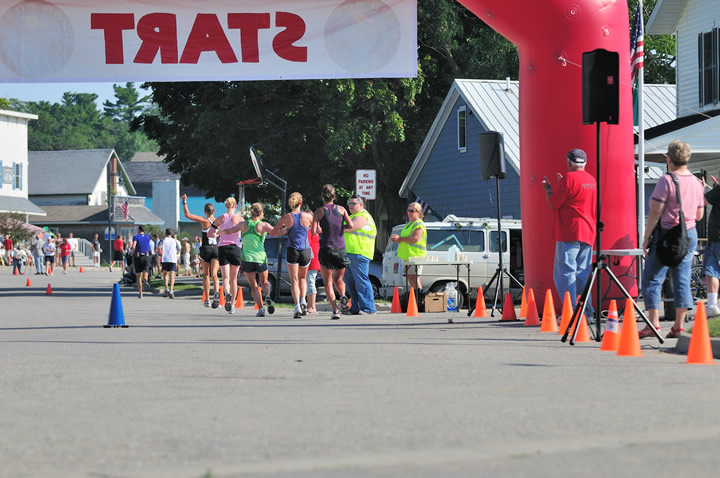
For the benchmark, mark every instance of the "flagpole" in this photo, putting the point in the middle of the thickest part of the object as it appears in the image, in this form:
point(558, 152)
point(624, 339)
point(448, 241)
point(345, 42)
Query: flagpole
point(641, 144)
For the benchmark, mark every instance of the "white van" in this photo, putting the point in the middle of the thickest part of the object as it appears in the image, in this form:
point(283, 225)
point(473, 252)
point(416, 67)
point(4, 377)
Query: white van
point(477, 239)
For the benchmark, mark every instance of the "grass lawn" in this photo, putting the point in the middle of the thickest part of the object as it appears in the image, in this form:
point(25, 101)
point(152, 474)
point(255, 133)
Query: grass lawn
point(713, 327)
point(160, 284)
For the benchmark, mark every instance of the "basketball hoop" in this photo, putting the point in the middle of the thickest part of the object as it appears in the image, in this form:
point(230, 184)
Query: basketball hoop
point(248, 182)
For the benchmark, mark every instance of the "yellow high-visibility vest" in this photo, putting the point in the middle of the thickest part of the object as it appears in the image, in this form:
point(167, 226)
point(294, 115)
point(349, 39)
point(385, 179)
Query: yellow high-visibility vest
point(362, 241)
point(418, 249)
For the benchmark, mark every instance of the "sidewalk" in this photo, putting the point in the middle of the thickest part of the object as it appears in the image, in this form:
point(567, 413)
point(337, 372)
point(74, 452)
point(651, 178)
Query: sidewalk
point(187, 390)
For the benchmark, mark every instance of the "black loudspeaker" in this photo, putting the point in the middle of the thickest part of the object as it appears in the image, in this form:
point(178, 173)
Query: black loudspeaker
point(600, 87)
point(492, 155)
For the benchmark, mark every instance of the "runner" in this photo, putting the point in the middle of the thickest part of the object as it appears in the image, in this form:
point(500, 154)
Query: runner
point(170, 253)
point(49, 251)
point(118, 253)
point(96, 251)
point(208, 251)
point(141, 258)
point(229, 252)
point(296, 225)
point(74, 244)
point(65, 249)
point(333, 219)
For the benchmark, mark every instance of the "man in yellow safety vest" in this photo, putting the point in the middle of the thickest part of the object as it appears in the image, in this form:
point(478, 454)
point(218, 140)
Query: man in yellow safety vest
point(360, 247)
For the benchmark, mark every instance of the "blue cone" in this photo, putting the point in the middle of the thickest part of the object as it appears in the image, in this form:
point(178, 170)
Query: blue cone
point(117, 316)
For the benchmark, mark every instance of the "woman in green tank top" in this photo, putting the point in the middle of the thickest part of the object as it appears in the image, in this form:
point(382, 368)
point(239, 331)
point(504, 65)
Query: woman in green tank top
point(254, 257)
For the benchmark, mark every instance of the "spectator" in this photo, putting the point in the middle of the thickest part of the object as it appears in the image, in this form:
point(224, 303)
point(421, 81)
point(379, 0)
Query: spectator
point(96, 251)
point(169, 262)
point(74, 247)
point(8, 245)
point(118, 253)
point(314, 240)
point(412, 242)
point(49, 250)
point(65, 249)
point(18, 258)
point(360, 246)
point(37, 251)
point(186, 255)
point(711, 257)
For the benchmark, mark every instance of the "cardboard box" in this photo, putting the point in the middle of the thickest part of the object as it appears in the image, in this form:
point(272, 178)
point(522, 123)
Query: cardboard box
point(436, 302)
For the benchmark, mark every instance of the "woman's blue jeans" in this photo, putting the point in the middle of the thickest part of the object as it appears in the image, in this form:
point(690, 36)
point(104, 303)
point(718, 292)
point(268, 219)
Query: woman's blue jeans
point(655, 272)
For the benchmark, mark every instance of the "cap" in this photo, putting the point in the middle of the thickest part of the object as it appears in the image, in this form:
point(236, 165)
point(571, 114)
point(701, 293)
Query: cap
point(577, 156)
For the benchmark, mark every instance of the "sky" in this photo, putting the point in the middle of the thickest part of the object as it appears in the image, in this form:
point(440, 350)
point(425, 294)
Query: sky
point(53, 92)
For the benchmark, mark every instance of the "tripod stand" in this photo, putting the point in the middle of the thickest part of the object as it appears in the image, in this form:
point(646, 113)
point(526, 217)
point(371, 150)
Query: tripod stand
point(500, 272)
point(597, 267)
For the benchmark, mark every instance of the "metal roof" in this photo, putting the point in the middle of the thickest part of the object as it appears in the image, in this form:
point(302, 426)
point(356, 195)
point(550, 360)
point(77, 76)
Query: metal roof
point(19, 204)
point(96, 215)
point(665, 17)
point(70, 172)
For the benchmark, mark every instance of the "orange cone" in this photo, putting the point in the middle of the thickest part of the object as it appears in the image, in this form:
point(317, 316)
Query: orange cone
point(549, 319)
point(523, 304)
point(49, 290)
point(611, 336)
point(567, 313)
point(15, 271)
point(81, 269)
point(395, 308)
point(532, 319)
point(239, 302)
point(412, 310)
point(700, 350)
point(28, 283)
point(204, 297)
point(583, 335)
point(49, 270)
point(222, 298)
point(480, 309)
point(508, 309)
point(629, 340)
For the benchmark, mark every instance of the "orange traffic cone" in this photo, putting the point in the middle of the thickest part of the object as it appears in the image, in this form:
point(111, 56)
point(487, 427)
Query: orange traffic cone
point(28, 283)
point(239, 302)
point(81, 269)
point(396, 308)
point(480, 309)
point(532, 319)
point(412, 310)
point(15, 271)
point(629, 340)
point(611, 337)
point(567, 313)
point(700, 349)
point(523, 304)
point(549, 319)
point(583, 335)
point(222, 298)
point(508, 309)
point(204, 297)
point(49, 271)
point(49, 290)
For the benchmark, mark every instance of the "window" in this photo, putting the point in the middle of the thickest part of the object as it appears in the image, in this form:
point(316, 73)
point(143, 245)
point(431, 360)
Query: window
point(18, 176)
point(462, 129)
point(708, 67)
point(494, 241)
point(465, 240)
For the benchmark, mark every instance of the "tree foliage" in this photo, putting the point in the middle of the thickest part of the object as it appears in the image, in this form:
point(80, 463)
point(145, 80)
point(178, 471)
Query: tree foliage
point(659, 49)
point(13, 223)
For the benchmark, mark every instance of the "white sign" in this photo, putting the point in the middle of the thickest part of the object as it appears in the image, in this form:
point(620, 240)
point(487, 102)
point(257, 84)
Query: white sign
point(365, 183)
point(177, 40)
point(112, 234)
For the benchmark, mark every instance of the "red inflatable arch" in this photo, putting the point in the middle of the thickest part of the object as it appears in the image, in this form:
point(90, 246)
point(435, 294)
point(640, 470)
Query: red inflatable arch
point(551, 36)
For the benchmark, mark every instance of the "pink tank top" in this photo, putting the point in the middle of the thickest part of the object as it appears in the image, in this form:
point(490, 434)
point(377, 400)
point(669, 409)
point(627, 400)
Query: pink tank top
point(228, 239)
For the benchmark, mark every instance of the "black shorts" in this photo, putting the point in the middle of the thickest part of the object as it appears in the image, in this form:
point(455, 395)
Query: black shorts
point(254, 266)
point(141, 264)
point(298, 257)
point(231, 254)
point(118, 256)
point(333, 258)
point(169, 266)
point(50, 259)
point(208, 253)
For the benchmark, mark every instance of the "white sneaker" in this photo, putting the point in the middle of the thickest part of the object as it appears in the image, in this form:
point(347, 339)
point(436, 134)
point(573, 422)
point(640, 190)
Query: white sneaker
point(335, 315)
point(260, 313)
point(713, 311)
point(166, 293)
point(232, 310)
point(207, 303)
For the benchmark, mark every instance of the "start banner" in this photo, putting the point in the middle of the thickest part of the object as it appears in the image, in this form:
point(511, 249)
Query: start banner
point(189, 40)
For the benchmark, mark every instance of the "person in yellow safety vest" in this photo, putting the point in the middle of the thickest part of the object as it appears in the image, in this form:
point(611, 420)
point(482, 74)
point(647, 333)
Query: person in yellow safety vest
point(412, 242)
point(360, 248)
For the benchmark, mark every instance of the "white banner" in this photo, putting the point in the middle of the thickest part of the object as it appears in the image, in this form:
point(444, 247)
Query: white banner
point(183, 40)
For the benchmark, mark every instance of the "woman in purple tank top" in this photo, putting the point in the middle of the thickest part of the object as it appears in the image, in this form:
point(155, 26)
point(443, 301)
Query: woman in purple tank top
point(332, 220)
point(296, 224)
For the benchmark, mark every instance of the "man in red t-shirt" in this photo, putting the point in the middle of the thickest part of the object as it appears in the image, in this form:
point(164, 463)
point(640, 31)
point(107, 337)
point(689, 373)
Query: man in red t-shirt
point(65, 249)
point(574, 202)
point(8, 245)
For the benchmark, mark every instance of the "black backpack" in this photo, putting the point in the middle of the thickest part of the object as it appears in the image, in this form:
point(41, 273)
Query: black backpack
point(672, 245)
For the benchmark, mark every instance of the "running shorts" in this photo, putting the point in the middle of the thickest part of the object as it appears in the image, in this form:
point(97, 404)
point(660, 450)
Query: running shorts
point(230, 254)
point(298, 257)
point(333, 258)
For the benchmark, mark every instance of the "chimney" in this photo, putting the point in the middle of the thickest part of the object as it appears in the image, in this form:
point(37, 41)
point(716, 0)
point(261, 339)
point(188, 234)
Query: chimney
point(114, 184)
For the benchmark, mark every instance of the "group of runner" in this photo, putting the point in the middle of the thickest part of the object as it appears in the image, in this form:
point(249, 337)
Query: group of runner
point(231, 244)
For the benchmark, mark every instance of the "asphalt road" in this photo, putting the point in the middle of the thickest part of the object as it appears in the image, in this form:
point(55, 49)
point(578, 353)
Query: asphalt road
point(187, 391)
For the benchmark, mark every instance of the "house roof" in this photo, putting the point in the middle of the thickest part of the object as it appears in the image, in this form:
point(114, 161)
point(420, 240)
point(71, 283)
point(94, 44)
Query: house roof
point(700, 131)
point(17, 114)
point(70, 172)
point(95, 215)
point(665, 17)
point(144, 157)
point(495, 104)
point(19, 204)
point(149, 171)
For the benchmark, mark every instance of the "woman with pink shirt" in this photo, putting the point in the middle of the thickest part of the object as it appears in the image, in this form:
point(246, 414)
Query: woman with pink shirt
point(229, 251)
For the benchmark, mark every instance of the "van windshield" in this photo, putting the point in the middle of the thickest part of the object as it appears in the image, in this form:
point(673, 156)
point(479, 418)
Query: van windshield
point(465, 240)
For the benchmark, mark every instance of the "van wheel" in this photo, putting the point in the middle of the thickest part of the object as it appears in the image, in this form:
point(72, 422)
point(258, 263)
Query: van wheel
point(440, 287)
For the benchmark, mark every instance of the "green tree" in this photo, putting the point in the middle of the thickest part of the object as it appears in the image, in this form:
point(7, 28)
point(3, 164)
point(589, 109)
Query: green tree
point(13, 223)
point(659, 49)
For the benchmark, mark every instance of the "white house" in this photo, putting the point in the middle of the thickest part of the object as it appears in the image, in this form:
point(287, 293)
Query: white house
point(14, 164)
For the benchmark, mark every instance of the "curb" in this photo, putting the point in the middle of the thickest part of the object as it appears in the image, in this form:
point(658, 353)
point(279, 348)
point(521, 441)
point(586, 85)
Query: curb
point(683, 344)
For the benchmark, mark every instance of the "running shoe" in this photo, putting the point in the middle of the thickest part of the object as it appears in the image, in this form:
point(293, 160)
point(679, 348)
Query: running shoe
point(172, 295)
point(216, 301)
point(303, 308)
point(335, 315)
point(260, 313)
point(207, 303)
point(268, 305)
point(232, 309)
point(228, 302)
point(298, 313)
point(166, 293)
point(344, 304)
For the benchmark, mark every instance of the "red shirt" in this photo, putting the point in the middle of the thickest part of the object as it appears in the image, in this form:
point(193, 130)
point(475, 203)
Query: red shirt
point(574, 202)
point(65, 249)
point(315, 246)
point(119, 245)
point(8, 244)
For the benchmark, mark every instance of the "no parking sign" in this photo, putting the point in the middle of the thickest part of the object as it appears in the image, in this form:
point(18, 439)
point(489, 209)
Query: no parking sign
point(365, 183)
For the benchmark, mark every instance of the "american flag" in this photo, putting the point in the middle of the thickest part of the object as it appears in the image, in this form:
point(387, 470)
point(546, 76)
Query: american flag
point(126, 210)
point(636, 43)
point(424, 205)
